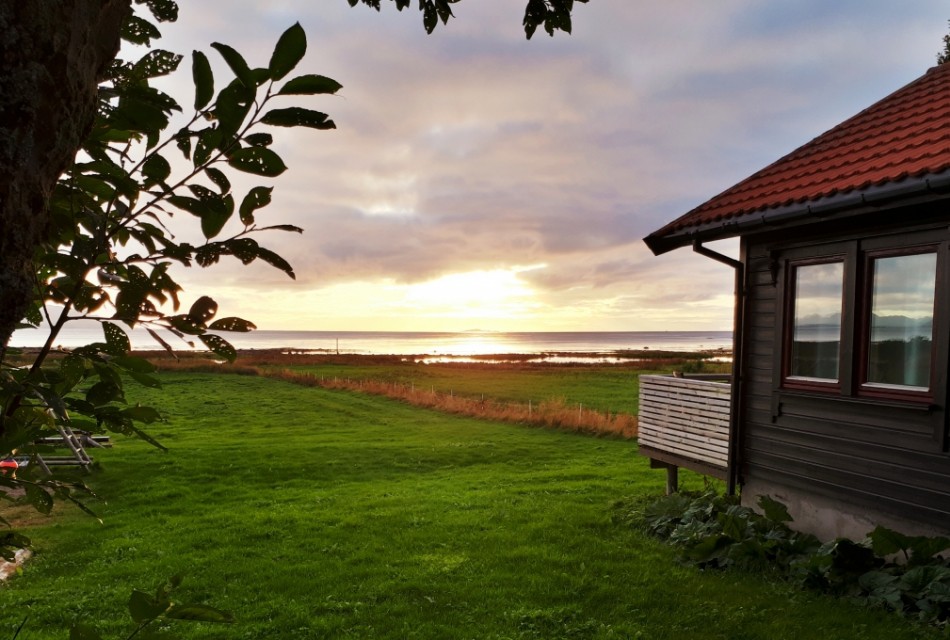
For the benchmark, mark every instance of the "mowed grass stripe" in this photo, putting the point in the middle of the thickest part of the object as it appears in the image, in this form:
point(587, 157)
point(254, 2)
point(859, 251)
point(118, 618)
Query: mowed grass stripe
point(317, 514)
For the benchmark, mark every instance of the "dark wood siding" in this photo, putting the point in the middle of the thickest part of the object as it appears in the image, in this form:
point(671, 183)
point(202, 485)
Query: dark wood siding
point(872, 455)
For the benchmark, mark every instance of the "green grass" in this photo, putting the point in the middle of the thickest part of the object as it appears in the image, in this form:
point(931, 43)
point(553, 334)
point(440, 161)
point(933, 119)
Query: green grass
point(608, 388)
point(316, 514)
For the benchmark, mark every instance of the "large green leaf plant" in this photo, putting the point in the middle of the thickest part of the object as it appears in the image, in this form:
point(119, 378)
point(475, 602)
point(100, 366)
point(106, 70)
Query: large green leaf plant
point(111, 254)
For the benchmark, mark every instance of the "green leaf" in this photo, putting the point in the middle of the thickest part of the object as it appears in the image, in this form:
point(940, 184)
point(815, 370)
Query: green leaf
point(255, 199)
point(183, 142)
point(38, 498)
point(244, 249)
point(193, 206)
point(282, 227)
point(923, 548)
point(140, 117)
point(138, 30)
point(232, 324)
point(290, 49)
point(309, 85)
point(144, 607)
point(103, 392)
point(886, 541)
point(534, 14)
point(298, 117)
point(163, 10)
point(203, 79)
point(919, 579)
point(257, 160)
point(774, 510)
point(146, 380)
point(116, 339)
point(132, 295)
point(259, 139)
point(275, 260)
point(135, 363)
point(147, 415)
point(203, 310)
point(185, 324)
point(231, 108)
point(876, 580)
point(733, 525)
point(213, 225)
point(199, 613)
point(208, 141)
point(219, 345)
point(90, 298)
point(708, 548)
point(215, 210)
point(429, 17)
point(73, 369)
point(155, 63)
point(219, 179)
point(156, 169)
point(237, 64)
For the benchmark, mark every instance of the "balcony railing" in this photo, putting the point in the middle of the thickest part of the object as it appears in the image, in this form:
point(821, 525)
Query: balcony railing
point(684, 422)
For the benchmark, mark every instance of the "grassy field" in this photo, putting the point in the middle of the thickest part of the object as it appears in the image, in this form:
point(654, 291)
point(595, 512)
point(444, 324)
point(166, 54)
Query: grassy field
point(596, 386)
point(602, 388)
point(319, 514)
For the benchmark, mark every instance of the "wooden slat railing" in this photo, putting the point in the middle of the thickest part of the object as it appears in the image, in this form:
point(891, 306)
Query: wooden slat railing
point(684, 422)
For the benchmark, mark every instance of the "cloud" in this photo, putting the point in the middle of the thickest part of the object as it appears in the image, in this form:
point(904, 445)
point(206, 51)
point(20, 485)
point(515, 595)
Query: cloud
point(473, 150)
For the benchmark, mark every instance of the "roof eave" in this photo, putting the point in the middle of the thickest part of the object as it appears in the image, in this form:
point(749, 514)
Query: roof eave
point(929, 186)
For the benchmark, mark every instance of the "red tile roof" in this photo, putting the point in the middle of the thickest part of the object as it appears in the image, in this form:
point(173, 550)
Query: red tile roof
point(905, 135)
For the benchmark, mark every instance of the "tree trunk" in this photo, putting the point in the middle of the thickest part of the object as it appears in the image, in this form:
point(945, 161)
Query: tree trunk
point(52, 56)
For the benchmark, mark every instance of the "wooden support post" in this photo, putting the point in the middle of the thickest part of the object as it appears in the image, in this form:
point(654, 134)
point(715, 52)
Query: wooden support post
point(672, 480)
point(672, 474)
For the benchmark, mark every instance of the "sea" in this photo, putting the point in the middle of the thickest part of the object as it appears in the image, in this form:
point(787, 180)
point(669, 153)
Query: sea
point(433, 345)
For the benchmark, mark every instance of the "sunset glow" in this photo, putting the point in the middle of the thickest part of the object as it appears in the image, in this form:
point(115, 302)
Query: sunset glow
point(477, 294)
point(463, 156)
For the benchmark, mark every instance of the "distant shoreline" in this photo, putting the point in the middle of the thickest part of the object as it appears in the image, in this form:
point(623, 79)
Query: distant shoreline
point(545, 358)
point(420, 343)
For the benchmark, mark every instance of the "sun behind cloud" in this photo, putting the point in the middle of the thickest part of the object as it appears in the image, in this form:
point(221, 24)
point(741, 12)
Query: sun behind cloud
point(484, 294)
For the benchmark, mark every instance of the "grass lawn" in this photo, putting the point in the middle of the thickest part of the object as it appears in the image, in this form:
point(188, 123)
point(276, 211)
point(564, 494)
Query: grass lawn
point(318, 514)
point(600, 387)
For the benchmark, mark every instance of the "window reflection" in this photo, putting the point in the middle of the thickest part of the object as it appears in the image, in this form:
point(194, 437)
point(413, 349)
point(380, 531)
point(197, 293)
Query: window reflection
point(816, 330)
point(901, 334)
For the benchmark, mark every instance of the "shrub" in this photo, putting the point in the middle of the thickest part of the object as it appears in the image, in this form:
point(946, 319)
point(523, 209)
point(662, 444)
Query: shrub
point(888, 569)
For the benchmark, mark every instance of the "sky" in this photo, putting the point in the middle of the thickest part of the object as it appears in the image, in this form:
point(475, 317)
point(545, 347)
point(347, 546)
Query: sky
point(480, 181)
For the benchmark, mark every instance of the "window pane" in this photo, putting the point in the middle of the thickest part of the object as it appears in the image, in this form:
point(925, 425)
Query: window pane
point(816, 329)
point(902, 305)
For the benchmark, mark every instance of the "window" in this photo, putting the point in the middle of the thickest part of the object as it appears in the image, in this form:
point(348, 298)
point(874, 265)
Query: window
point(860, 317)
point(899, 342)
point(815, 349)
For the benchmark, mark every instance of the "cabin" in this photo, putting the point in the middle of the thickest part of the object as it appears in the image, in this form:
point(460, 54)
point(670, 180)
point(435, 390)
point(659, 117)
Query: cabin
point(842, 324)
